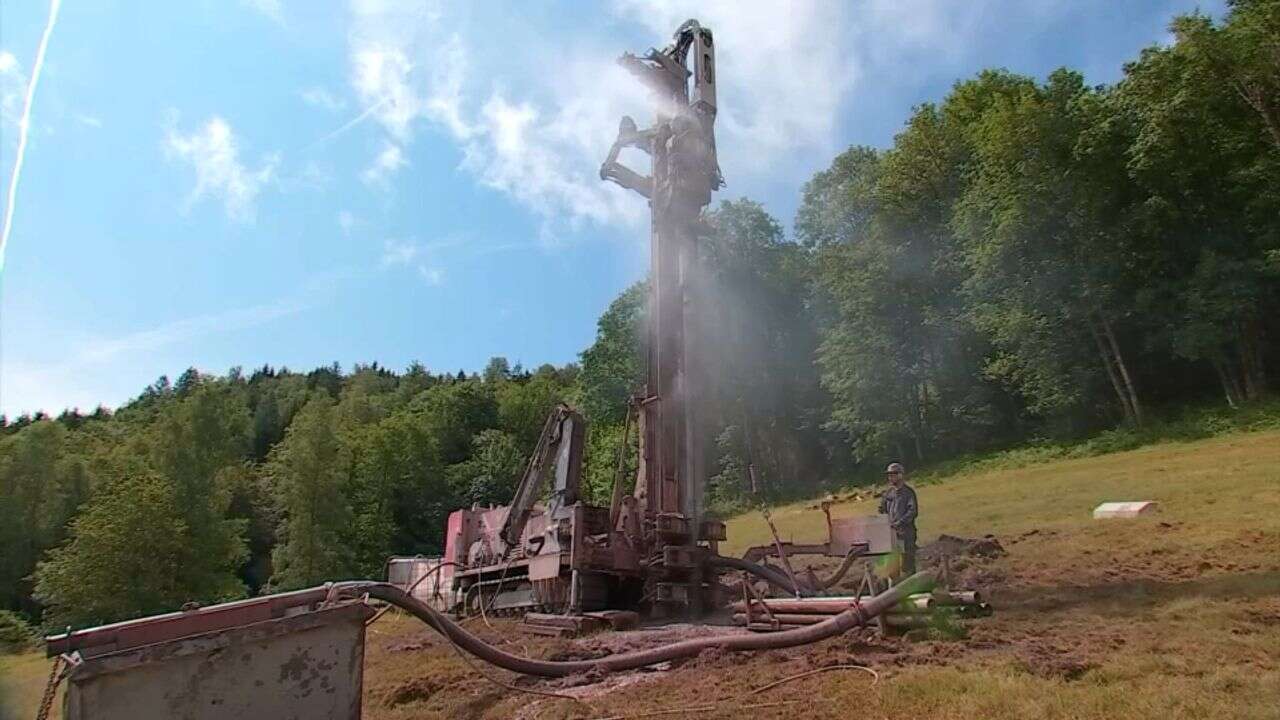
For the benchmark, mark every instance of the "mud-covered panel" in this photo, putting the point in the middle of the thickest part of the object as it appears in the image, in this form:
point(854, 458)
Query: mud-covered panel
point(311, 672)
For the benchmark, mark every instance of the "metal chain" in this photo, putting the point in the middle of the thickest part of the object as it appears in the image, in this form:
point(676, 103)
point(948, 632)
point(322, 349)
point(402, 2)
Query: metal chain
point(50, 689)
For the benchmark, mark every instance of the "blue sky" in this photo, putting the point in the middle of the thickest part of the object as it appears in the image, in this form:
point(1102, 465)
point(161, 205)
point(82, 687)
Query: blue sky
point(240, 182)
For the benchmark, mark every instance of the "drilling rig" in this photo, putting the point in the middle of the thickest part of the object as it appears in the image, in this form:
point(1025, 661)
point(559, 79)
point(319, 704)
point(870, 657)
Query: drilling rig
point(651, 550)
point(648, 550)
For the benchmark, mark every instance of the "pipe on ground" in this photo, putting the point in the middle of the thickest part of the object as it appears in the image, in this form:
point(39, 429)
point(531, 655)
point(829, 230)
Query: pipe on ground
point(817, 606)
point(853, 617)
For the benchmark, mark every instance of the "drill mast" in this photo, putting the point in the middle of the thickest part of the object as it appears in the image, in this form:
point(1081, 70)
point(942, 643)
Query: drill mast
point(681, 144)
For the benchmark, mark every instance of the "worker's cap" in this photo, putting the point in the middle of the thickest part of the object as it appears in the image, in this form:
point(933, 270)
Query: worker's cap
point(895, 469)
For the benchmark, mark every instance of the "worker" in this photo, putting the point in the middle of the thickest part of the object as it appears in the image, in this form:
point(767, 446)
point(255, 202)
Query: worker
point(899, 503)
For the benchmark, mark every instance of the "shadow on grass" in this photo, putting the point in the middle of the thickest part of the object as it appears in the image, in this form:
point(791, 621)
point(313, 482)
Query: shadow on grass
point(1123, 597)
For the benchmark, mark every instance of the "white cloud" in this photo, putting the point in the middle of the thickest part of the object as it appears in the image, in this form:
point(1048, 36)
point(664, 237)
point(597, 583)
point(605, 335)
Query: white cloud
point(387, 162)
point(790, 77)
point(433, 275)
point(346, 221)
point(380, 76)
point(213, 152)
point(400, 252)
point(92, 121)
point(414, 68)
point(322, 98)
point(272, 9)
point(13, 85)
point(423, 257)
point(448, 76)
point(783, 70)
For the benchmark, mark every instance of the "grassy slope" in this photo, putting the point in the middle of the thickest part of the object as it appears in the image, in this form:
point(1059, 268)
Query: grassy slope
point(1177, 613)
point(1173, 615)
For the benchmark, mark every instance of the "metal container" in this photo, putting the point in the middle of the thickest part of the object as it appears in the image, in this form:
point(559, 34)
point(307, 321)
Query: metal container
point(872, 530)
point(429, 579)
point(281, 657)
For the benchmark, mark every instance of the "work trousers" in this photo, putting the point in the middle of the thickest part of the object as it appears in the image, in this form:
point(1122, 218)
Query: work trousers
point(908, 542)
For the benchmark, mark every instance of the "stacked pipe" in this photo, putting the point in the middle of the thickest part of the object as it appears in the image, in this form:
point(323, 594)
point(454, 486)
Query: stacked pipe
point(918, 610)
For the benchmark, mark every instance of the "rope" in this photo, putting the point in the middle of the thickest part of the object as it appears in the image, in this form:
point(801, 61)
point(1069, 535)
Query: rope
point(497, 589)
point(875, 676)
point(708, 708)
point(382, 611)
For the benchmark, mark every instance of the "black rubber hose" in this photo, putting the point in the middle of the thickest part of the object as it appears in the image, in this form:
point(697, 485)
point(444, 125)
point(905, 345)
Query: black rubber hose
point(768, 574)
point(840, 572)
point(857, 615)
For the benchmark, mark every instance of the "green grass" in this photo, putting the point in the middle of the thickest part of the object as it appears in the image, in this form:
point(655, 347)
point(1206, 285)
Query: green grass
point(1173, 615)
point(1194, 423)
point(22, 680)
point(1219, 487)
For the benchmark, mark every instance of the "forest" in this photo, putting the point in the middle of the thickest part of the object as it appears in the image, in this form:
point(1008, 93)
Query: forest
point(1030, 259)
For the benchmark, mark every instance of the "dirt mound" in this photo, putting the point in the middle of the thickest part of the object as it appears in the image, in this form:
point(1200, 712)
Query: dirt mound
point(580, 652)
point(718, 657)
point(987, 547)
point(970, 560)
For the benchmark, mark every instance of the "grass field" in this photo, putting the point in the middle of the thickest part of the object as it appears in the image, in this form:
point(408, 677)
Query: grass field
point(1173, 615)
point(22, 681)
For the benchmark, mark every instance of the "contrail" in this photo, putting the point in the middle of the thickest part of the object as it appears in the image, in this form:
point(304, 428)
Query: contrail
point(364, 115)
point(23, 126)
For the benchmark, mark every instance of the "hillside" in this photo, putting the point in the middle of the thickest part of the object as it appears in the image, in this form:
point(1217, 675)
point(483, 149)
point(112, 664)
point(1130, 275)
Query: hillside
point(1172, 615)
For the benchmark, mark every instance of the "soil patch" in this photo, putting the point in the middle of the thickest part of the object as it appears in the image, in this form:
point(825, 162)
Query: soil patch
point(956, 548)
point(410, 691)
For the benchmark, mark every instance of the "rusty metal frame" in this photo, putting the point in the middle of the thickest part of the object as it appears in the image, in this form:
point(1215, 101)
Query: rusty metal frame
point(160, 651)
point(103, 639)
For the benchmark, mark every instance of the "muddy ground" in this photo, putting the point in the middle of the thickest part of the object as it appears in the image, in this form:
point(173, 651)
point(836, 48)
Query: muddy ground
point(1048, 624)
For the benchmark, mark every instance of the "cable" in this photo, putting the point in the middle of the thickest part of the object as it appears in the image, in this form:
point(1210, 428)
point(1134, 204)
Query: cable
point(383, 610)
point(707, 708)
point(496, 591)
point(875, 676)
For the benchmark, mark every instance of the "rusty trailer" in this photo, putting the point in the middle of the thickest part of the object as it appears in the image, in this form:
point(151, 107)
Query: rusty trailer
point(292, 655)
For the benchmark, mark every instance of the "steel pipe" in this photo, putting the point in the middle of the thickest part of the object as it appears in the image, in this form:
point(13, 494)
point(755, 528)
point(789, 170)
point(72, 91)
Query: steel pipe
point(958, 597)
point(784, 618)
point(853, 617)
point(821, 606)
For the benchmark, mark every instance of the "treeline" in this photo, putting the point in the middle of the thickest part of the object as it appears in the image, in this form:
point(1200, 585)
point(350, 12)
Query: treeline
point(213, 487)
point(1028, 260)
point(1044, 258)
